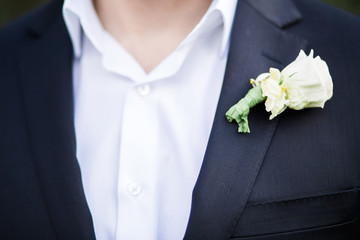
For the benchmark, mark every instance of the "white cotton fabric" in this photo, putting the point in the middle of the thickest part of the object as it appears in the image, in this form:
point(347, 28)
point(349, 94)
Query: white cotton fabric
point(141, 138)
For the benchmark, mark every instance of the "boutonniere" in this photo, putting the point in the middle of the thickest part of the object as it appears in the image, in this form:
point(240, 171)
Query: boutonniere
point(304, 83)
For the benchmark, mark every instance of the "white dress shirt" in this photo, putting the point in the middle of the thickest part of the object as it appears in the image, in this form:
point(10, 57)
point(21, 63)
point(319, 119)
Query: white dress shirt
point(141, 138)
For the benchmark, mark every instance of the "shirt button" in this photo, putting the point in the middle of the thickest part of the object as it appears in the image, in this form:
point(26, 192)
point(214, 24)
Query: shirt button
point(143, 90)
point(134, 189)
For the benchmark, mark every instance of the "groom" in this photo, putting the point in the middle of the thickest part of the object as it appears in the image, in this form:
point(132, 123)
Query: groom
point(112, 123)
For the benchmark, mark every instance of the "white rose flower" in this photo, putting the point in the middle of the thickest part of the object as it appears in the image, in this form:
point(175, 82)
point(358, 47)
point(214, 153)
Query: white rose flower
point(307, 82)
point(304, 83)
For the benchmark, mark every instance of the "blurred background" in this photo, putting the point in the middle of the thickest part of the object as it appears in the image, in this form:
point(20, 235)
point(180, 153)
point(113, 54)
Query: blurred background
point(11, 9)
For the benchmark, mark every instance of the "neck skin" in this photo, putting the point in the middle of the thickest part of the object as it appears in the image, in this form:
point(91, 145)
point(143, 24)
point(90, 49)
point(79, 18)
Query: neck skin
point(150, 29)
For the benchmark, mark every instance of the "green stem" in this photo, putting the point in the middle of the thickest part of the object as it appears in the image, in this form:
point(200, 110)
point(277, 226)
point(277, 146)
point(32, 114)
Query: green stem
point(240, 111)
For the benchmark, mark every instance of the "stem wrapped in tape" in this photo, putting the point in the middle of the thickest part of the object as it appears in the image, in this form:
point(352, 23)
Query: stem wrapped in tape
point(240, 111)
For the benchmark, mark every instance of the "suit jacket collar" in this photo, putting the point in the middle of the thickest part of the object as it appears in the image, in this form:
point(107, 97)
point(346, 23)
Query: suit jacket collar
point(233, 161)
point(44, 18)
point(279, 12)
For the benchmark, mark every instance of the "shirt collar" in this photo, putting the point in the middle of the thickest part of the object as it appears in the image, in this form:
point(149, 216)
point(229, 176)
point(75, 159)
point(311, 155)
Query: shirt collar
point(81, 16)
point(227, 10)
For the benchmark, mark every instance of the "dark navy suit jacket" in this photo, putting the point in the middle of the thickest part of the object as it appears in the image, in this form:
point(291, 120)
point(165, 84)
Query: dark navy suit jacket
point(295, 177)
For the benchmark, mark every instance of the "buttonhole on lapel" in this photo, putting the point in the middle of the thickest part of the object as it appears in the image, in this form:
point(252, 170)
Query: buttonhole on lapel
point(272, 58)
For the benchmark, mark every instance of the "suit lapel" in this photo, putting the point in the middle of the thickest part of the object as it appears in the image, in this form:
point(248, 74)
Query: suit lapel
point(232, 160)
point(46, 80)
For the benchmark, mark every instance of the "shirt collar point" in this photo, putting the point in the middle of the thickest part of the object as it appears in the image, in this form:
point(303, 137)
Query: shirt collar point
point(223, 50)
point(77, 52)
